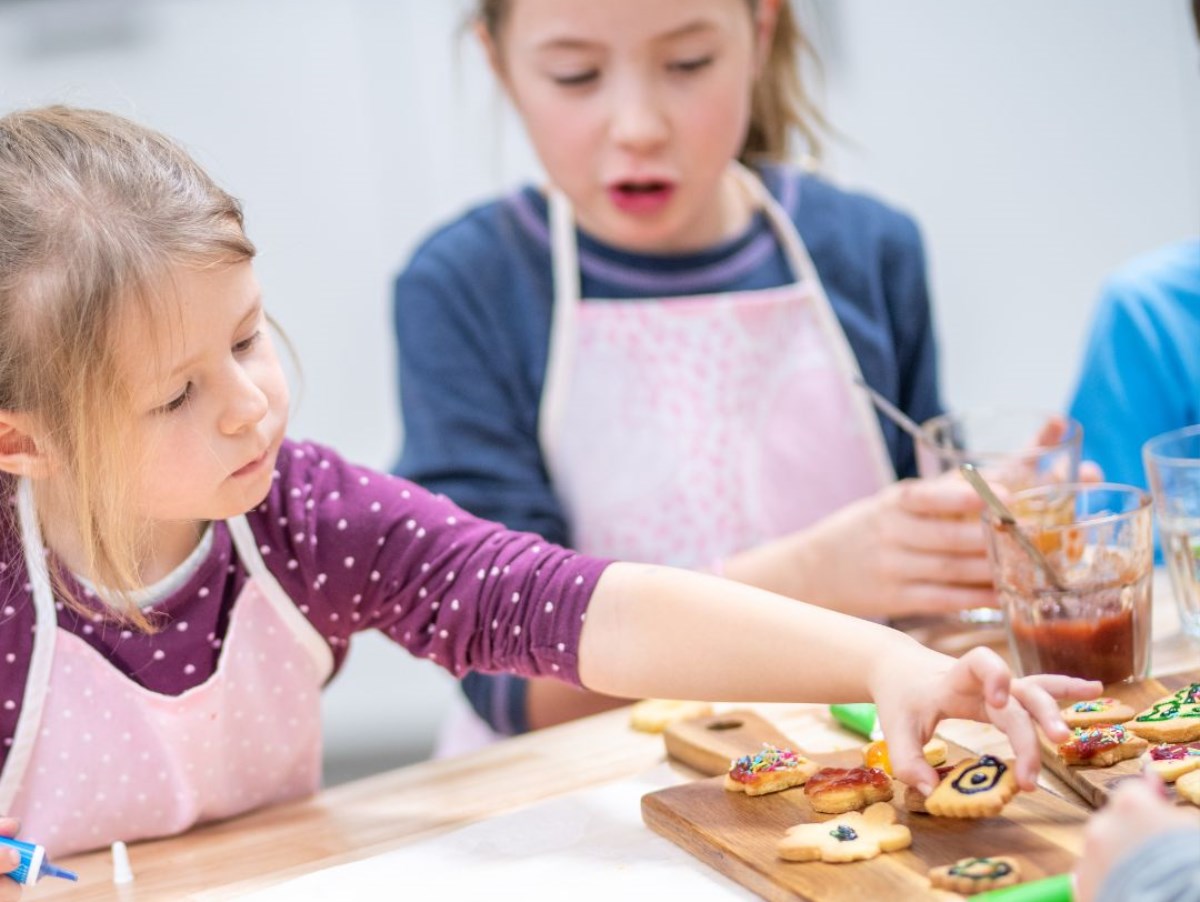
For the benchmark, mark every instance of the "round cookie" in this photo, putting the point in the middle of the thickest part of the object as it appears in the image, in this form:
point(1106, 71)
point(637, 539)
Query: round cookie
point(833, 790)
point(976, 875)
point(1171, 762)
point(849, 837)
point(1097, 711)
point(1188, 787)
point(653, 715)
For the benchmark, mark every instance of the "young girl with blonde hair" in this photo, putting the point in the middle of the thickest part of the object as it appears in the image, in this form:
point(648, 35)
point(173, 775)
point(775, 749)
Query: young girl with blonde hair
point(653, 357)
point(179, 580)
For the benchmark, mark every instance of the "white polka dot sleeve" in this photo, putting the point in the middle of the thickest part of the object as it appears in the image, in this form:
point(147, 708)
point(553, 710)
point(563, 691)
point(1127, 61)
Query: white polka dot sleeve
point(357, 549)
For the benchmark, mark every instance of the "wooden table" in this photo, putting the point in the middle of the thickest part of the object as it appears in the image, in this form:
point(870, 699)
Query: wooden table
point(373, 815)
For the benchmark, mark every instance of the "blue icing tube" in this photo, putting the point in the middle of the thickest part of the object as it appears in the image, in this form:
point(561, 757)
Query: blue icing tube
point(861, 718)
point(34, 865)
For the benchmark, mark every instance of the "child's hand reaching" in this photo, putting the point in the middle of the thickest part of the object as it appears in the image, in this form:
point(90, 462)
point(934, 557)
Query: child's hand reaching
point(10, 890)
point(912, 696)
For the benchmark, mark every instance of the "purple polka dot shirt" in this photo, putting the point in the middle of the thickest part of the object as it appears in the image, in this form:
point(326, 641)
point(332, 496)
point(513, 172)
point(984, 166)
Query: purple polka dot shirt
point(355, 550)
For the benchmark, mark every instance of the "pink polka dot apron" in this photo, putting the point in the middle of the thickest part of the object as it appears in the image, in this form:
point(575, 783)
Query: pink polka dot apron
point(97, 758)
point(680, 430)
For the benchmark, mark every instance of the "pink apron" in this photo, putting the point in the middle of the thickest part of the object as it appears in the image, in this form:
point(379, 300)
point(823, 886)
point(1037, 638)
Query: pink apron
point(680, 430)
point(97, 758)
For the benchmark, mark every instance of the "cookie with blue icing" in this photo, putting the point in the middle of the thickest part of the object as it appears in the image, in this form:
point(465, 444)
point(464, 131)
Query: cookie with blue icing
point(976, 787)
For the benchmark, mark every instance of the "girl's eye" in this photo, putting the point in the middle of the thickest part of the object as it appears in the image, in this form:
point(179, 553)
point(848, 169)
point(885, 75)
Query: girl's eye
point(178, 401)
point(691, 65)
point(247, 343)
point(575, 79)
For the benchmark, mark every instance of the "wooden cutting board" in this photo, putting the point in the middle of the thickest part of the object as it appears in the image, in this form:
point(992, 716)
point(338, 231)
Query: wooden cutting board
point(736, 834)
point(1095, 783)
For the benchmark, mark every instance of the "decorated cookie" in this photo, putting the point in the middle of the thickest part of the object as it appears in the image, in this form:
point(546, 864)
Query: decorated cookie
point(771, 770)
point(1171, 762)
point(1097, 712)
point(1101, 746)
point(976, 787)
point(653, 715)
point(875, 754)
point(976, 875)
point(914, 801)
point(1188, 787)
point(832, 790)
point(848, 837)
point(1175, 718)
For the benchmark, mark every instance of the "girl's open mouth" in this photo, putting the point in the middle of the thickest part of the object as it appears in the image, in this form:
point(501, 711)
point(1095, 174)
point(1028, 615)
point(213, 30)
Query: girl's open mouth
point(641, 197)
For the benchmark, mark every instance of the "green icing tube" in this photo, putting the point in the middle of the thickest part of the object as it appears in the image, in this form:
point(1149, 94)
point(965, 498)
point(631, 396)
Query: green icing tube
point(1052, 889)
point(861, 718)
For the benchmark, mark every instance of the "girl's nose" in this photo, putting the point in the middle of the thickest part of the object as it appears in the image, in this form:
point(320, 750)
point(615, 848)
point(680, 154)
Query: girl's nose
point(639, 123)
point(246, 405)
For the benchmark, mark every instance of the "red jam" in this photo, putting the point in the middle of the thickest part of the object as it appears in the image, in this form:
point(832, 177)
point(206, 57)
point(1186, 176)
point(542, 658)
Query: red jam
point(1100, 649)
point(846, 778)
point(1166, 752)
point(1090, 743)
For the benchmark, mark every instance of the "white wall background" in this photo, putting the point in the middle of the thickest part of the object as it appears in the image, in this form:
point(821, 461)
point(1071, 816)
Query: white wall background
point(1039, 142)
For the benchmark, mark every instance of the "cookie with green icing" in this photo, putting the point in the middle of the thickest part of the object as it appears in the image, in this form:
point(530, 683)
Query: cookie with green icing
point(1175, 718)
point(976, 875)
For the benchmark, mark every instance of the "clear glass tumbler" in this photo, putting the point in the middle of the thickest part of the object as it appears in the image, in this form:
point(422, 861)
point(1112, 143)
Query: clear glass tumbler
point(1173, 466)
point(1014, 449)
point(1097, 623)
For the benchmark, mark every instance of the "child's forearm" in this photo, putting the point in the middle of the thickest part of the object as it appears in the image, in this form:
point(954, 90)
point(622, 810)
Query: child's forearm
point(654, 631)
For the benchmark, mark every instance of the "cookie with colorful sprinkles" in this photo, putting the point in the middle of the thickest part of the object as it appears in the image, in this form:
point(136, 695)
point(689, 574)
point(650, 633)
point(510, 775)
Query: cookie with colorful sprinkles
point(771, 770)
point(1097, 712)
point(1101, 746)
point(976, 875)
point(1175, 718)
point(1170, 762)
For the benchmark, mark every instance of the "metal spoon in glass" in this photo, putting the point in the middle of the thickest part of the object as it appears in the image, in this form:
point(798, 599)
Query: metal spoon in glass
point(895, 414)
point(1006, 518)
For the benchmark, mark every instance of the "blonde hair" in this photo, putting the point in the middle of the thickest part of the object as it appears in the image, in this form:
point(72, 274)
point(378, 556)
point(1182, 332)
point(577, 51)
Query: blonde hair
point(781, 108)
point(95, 212)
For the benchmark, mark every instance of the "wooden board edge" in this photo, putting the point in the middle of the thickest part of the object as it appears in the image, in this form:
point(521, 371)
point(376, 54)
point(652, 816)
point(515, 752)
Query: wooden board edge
point(669, 825)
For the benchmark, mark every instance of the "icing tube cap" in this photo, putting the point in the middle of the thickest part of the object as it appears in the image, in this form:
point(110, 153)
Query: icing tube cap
point(861, 718)
point(1052, 889)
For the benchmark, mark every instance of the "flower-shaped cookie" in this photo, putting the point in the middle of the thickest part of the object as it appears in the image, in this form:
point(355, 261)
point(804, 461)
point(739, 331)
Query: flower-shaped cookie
point(849, 837)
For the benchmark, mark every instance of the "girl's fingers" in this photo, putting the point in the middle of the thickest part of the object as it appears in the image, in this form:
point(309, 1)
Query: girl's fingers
point(1043, 704)
point(989, 670)
point(933, 598)
point(946, 496)
point(908, 760)
point(1015, 722)
point(935, 565)
point(1043, 708)
point(9, 826)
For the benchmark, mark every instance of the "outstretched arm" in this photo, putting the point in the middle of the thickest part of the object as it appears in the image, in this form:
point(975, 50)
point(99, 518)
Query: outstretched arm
point(653, 631)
